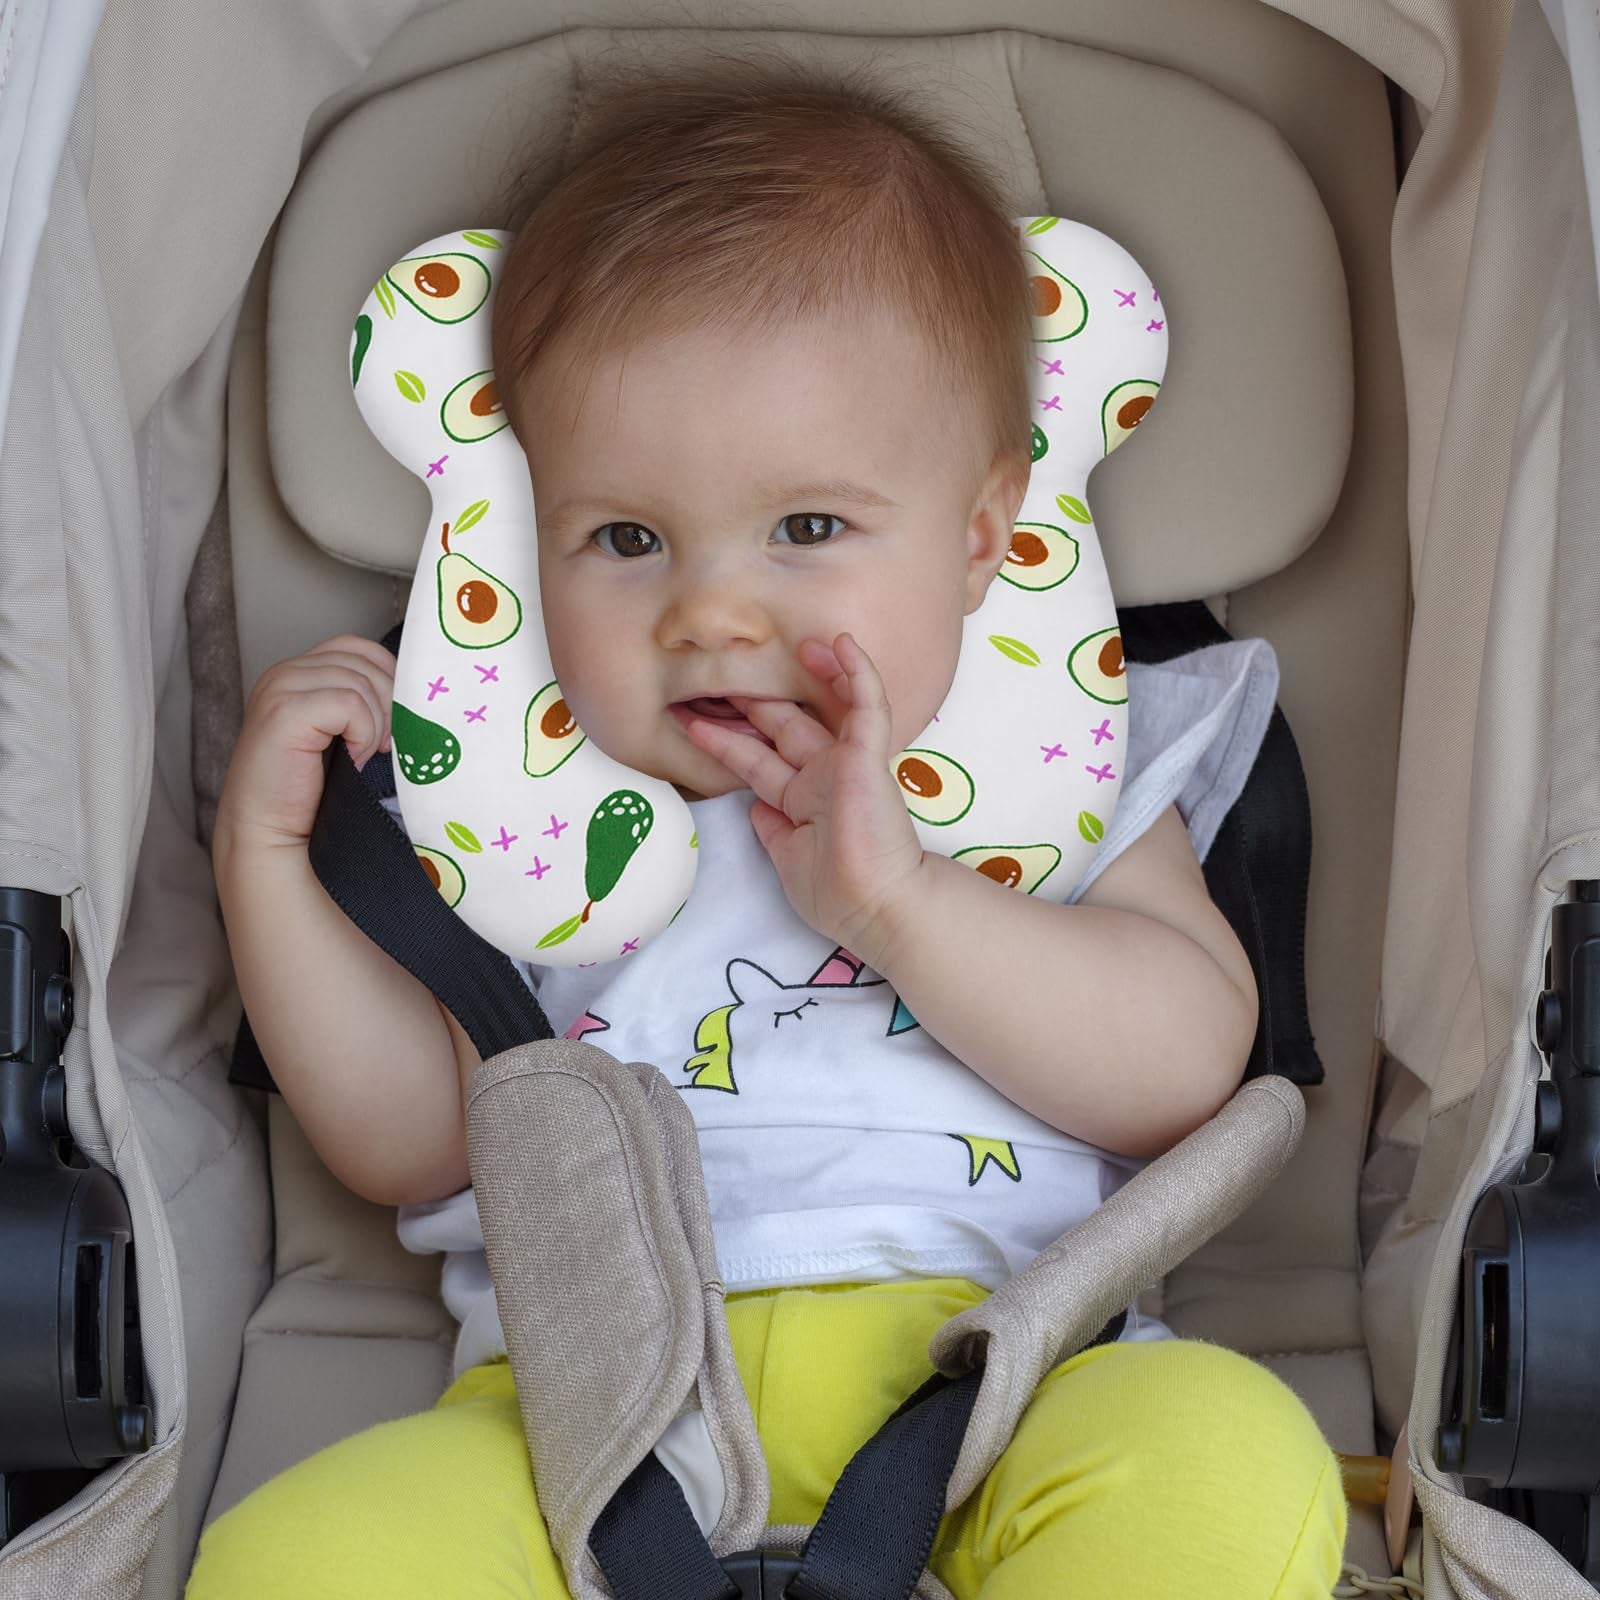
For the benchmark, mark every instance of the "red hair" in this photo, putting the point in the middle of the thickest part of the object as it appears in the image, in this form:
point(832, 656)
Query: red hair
point(748, 192)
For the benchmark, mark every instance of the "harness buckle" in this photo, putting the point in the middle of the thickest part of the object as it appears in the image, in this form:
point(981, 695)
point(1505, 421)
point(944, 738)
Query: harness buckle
point(762, 1574)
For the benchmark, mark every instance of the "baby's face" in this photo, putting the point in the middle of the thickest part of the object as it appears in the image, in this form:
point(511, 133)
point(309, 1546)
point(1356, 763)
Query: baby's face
point(715, 499)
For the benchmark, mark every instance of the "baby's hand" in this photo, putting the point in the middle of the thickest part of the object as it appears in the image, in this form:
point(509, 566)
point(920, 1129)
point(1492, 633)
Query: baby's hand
point(340, 688)
point(829, 812)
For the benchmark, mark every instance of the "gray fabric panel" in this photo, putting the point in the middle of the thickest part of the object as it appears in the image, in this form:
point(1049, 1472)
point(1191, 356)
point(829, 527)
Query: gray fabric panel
point(100, 1552)
point(76, 715)
point(1095, 1269)
point(303, 1387)
point(213, 667)
point(1211, 201)
point(1488, 1556)
point(599, 1244)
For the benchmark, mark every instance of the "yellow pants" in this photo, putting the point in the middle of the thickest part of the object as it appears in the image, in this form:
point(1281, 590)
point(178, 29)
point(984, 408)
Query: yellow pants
point(1159, 1470)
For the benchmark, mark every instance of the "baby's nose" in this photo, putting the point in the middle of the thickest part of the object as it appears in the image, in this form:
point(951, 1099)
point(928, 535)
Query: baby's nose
point(714, 610)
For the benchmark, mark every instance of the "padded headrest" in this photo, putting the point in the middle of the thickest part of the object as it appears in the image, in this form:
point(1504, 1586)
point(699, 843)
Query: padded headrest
point(557, 853)
point(1239, 470)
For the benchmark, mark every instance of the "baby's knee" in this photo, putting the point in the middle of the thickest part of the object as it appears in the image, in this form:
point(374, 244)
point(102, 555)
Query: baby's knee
point(413, 1507)
point(1223, 1457)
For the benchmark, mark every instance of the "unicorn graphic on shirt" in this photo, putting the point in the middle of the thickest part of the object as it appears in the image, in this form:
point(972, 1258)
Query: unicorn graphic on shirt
point(812, 1030)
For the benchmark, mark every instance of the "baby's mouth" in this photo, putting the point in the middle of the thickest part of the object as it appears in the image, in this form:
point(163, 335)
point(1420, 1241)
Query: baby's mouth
point(712, 706)
point(715, 708)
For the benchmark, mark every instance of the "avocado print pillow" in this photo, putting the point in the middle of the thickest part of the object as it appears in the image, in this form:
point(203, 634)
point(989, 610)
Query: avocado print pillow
point(557, 854)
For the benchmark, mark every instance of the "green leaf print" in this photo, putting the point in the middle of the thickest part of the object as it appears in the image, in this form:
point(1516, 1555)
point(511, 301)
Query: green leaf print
point(1015, 650)
point(385, 297)
point(471, 517)
point(484, 241)
point(561, 932)
point(1071, 506)
point(463, 838)
point(410, 385)
point(1041, 225)
point(1091, 827)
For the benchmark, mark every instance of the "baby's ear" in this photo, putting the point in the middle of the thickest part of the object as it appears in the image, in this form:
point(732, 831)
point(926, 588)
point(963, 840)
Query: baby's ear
point(993, 521)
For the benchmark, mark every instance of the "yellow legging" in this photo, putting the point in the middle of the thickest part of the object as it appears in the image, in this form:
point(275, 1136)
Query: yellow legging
point(1165, 1469)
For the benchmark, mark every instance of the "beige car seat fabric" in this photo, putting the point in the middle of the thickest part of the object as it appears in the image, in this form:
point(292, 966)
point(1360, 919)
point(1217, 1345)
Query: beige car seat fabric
point(1229, 484)
point(1308, 1225)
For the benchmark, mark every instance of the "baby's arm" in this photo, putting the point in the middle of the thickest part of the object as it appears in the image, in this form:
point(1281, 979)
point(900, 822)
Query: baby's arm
point(1125, 1019)
point(369, 1062)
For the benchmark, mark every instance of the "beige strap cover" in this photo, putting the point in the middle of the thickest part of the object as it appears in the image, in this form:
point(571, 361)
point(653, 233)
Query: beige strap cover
point(1075, 1286)
point(588, 1183)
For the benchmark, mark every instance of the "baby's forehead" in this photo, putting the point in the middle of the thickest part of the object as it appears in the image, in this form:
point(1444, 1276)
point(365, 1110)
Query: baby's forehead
point(871, 372)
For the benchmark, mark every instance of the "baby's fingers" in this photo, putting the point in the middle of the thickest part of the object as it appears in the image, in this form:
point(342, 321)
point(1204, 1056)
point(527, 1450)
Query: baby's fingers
point(764, 770)
point(867, 722)
point(303, 705)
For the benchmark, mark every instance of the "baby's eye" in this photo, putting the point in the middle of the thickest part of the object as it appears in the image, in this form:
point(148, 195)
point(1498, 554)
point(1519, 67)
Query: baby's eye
point(806, 527)
point(625, 539)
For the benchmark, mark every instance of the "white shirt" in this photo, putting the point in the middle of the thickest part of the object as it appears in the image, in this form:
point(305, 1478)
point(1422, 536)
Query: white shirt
point(840, 1141)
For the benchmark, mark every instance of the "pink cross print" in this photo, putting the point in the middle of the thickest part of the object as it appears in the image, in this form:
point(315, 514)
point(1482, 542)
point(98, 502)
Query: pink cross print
point(1152, 326)
point(486, 674)
point(438, 686)
point(537, 870)
point(1100, 774)
point(1126, 297)
point(506, 840)
point(1103, 732)
point(1051, 751)
point(1052, 368)
point(555, 828)
point(1052, 404)
point(480, 715)
point(630, 947)
point(436, 468)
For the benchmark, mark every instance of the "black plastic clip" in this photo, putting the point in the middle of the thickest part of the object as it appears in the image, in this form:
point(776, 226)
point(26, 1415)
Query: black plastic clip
point(1521, 1409)
point(762, 1574)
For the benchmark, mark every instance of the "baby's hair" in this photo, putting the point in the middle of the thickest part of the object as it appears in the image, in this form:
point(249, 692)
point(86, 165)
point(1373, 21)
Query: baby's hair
point(745, 192)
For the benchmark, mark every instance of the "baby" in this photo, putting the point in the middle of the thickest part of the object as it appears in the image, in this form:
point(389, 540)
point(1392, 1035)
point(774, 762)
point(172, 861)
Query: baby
point(754, 560)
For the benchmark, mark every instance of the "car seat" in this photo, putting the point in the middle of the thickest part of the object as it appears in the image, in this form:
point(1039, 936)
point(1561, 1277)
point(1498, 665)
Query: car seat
point(1418, 566)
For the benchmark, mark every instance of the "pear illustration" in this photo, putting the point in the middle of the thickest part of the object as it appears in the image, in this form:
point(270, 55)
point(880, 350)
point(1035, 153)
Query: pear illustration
point(476, 610)
point(620, 824)
point(425, 752)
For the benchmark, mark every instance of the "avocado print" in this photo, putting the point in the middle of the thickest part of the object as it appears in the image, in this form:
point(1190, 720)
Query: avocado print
point(426, 751)
point(1040, 444)
point(444, 288)
point(358, 354)
point(937, 790)
point(1012, 866)
point(620, 824)
point(1041, 556)
point(1097, 668)
point(442, 873)
point(472, 410)
point(1124, 409)
point(476, 610)
point(550, 732)
point(1059, 309)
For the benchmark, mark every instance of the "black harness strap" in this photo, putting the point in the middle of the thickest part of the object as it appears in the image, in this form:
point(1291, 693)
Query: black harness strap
point(1259, 865)
point(872, 1538)
point(363, 858)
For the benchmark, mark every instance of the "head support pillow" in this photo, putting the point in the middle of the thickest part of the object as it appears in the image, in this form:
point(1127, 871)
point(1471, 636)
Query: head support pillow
point(559, 855)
